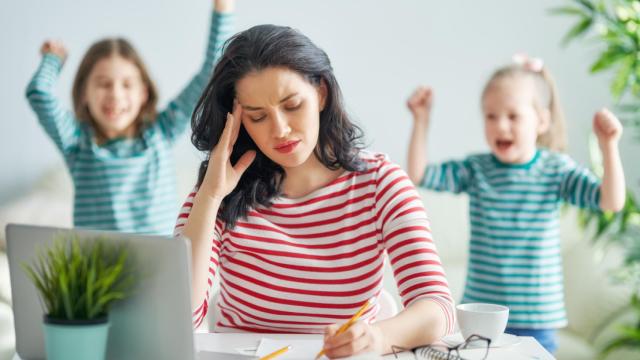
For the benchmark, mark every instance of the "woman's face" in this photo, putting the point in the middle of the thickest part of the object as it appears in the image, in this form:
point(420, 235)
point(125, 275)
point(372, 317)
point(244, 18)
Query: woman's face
point(281, 113)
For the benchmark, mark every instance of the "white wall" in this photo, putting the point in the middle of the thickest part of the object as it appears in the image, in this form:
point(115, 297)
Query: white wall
point(380, 52)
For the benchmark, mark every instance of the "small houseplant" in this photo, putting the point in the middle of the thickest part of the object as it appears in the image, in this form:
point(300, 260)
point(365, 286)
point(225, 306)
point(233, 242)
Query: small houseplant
point(77, 281)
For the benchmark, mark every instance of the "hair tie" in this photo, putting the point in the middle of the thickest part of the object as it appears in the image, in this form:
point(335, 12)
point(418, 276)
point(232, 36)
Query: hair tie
point(530, 63)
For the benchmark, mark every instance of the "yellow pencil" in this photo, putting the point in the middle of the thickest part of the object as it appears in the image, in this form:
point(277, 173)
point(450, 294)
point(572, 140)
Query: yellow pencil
point(351, 321)
point(276, 353)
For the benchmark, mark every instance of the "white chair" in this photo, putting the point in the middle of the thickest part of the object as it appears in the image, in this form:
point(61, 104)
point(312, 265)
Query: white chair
point(388, 306)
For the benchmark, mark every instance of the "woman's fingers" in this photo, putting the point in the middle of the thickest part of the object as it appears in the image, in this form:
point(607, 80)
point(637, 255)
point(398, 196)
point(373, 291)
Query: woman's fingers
point(330, 331)
point(225, 137)
point(354, 332)
point(353, 341)
point(237, 121)
point(244, 162)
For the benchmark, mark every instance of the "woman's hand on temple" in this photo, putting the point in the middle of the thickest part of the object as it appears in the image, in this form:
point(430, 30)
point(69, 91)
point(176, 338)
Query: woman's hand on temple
point(222, 177)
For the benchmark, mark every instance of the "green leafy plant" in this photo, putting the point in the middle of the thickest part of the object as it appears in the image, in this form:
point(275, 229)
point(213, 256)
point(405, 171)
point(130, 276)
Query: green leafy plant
point(80, 280)
point(615, 25)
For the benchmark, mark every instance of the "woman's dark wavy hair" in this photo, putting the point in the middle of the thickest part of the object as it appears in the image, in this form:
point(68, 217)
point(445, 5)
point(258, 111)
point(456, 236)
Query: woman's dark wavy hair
point(253, 50)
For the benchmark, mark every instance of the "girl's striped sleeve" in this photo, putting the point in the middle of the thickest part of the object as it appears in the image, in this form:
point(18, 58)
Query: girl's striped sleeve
point(450, 176)
point(579, 186)
point(173, 121)
point(59, 123)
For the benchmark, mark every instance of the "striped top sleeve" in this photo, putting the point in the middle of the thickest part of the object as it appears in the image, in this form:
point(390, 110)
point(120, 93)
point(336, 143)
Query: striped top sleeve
point(579, 186)
point(59, 123)
point(199, 314)
point(451, 176)
point(407, 237)
point(174, 120)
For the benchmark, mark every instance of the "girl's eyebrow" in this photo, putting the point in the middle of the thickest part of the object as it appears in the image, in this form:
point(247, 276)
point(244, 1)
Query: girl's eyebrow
point(254, 108)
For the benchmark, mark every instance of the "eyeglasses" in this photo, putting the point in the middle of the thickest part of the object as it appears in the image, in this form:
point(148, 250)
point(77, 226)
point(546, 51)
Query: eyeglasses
point(477, 349)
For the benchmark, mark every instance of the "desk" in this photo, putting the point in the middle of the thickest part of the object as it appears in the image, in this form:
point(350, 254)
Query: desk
point(528, 346)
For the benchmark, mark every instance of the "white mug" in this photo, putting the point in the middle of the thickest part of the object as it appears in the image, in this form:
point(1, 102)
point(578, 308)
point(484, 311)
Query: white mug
point(487, 320)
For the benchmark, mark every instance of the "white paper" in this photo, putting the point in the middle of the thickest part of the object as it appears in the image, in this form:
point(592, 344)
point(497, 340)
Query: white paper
point(494, 354)
point(306, 349)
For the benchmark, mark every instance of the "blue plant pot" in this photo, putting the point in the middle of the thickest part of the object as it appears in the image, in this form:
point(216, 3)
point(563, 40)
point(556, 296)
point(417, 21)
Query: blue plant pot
point(76, 339)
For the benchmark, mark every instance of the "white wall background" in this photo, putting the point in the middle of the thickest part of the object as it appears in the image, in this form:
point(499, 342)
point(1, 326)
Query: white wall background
point(380, 51)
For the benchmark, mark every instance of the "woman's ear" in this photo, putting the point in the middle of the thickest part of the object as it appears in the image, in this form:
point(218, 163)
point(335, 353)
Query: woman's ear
point(322, 94)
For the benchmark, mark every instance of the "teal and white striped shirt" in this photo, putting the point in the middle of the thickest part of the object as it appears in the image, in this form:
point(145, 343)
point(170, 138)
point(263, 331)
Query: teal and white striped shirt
point(125, 184)
point(514, 255)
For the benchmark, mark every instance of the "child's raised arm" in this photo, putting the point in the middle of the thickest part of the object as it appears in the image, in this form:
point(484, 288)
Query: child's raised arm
point(59, 123)
point(420, 106)
point(608, 130)
point(174, 120)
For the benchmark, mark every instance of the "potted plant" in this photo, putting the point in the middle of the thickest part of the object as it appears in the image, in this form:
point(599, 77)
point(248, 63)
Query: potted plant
point(77, 282)
point(616, 24)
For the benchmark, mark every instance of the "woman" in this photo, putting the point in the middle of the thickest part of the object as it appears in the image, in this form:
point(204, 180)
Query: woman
point(293, 216)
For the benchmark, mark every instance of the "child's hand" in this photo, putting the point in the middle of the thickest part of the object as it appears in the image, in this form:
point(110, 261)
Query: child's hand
point(420, 104)
point(607, 128)
point(54, 47)
point(359, 338)
point(223, 6)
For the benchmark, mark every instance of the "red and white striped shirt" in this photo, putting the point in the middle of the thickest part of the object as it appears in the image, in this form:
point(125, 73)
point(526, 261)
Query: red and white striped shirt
point(304, 263)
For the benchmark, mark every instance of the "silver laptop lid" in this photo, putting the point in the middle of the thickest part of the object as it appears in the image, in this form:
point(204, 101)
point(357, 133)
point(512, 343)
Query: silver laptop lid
point(154, 323)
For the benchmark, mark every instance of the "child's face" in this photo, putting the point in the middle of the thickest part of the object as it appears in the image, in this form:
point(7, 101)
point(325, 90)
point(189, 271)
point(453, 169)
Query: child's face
point(512, 121)
point(115, 94)
point(281, 113)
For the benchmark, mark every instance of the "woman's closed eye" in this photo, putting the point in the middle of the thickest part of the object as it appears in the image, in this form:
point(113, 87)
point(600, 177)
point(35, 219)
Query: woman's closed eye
point(257, 117)
point(293, 107)
point(289, 108)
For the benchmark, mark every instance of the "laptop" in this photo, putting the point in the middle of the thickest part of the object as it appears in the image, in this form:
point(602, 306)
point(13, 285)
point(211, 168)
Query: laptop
point(153, 323)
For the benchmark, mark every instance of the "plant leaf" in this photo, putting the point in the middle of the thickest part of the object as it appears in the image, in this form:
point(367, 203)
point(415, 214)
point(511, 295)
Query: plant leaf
point(621, 79)
point(568, 10)
point(587, 4)
point(617, 344)
point(64, 292)
point(578, 29)
point(608, 59)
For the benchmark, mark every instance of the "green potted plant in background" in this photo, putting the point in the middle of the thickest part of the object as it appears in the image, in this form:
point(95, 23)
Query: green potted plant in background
point(615, 24)
point(78, 281)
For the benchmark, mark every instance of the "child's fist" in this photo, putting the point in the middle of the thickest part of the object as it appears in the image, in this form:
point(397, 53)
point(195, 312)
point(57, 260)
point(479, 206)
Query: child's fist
point(224, 6)
point(419, 103)
point(54, 47)
point(607, 127)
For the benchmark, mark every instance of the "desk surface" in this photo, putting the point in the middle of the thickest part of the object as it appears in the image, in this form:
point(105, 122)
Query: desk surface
point(528, 346)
